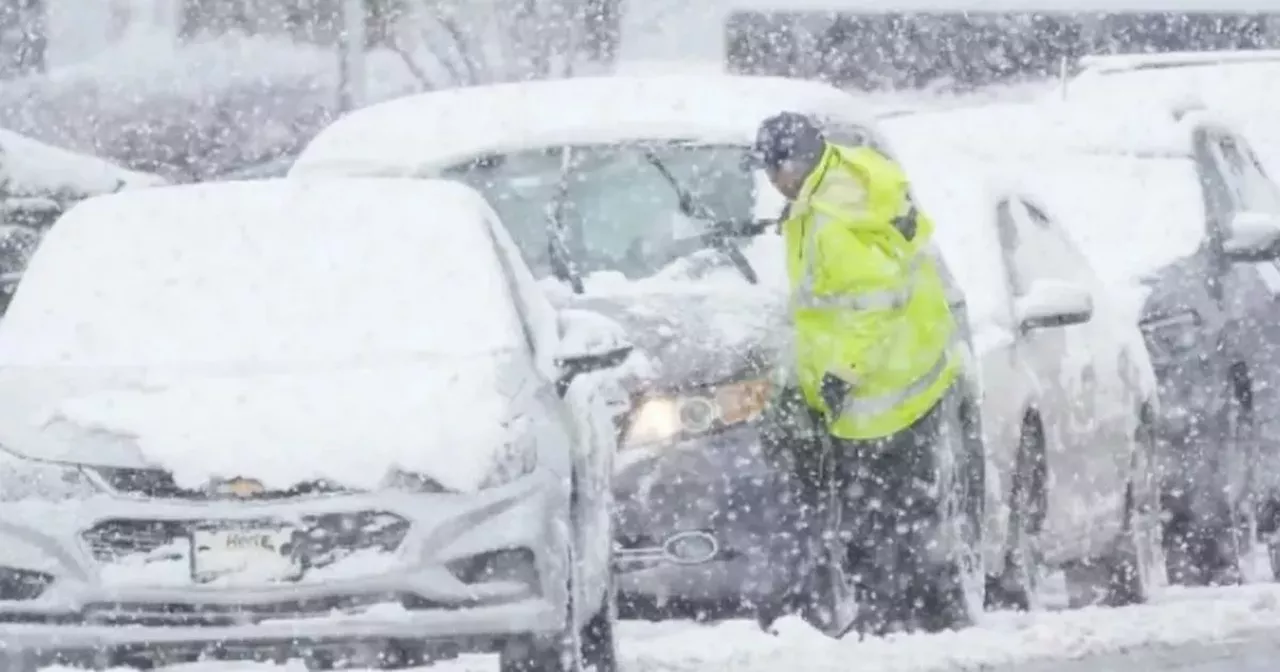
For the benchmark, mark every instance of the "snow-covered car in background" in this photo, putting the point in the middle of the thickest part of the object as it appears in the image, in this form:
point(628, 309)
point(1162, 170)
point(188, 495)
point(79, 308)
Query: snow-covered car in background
point(1179, 216)
point(1069, 397)
point(1240, 83)
point(1225, 78)
point(38, 182)
point(636, 196)
point(329, 418)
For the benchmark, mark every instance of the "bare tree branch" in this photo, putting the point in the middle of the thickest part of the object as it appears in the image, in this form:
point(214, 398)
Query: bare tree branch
point(467, 55)
point(412, 66)
point(442, 57)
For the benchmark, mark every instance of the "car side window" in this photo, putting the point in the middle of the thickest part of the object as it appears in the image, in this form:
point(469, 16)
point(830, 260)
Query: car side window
point(1043, 249)
point(1251, 189)
point(1010, 244)
point(1070, 256)
point(1213, 177)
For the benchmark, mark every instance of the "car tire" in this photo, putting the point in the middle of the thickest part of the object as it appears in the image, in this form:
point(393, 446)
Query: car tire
point(591, 648)
point(1273, 552)
point(1018, 584)
point(1205, 533)
point(1129, 572)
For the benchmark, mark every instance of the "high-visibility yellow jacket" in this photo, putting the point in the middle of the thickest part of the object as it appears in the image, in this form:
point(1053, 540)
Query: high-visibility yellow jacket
point(868, 303)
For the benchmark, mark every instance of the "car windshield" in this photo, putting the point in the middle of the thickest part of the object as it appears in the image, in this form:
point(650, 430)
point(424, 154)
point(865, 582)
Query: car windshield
point(619, 211)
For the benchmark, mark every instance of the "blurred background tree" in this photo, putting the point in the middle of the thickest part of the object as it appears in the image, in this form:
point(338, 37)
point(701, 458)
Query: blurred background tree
point(22, 37)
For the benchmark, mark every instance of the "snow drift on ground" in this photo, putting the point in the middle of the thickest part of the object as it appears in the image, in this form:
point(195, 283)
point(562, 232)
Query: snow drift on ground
point(1181, 616)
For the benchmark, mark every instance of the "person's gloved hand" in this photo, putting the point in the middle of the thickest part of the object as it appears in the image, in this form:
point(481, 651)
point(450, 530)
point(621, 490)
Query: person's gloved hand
point(834, 390)
point(787, 419)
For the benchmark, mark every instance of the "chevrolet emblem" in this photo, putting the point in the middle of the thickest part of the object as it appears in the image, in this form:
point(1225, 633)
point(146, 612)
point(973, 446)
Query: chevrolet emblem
point(242, 488)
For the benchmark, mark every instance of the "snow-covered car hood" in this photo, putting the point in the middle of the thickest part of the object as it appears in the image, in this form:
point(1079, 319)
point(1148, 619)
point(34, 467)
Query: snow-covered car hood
point(698, 336)
point(698, 322)
point(444, 418)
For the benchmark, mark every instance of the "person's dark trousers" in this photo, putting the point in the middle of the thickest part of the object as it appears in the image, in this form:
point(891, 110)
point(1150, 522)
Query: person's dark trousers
point(888, 510)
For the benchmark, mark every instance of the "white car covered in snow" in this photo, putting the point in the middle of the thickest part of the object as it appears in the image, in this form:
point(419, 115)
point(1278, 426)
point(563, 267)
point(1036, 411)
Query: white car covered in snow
point(629, 196)
point(1069, 396)
point(1239, 83)
point(1182, 222)
point(37, 183)
point(329, 418)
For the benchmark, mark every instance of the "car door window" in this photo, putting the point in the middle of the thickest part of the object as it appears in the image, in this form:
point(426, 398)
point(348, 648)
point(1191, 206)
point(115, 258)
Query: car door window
point(1017, 274)
point(1043, 250)
point(1067, 257)
point(1252, 190)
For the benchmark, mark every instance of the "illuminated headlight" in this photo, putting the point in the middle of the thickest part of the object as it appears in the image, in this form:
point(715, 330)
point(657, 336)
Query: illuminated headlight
point(1169, 337)
point(22, 479)
point(668, 418)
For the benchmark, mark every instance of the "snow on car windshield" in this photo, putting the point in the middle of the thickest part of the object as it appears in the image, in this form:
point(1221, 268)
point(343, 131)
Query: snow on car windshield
point(619, 211)
point(268, 271)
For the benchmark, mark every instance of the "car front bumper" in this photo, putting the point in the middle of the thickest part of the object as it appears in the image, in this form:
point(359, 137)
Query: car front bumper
point(456, 572)
point(722, 487)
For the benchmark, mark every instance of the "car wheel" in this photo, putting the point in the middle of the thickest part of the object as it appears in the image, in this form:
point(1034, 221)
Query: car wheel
point(591, 648)
point(1129, 572)
point(1205, 534)
point(1273, 552)
point(1018, 585)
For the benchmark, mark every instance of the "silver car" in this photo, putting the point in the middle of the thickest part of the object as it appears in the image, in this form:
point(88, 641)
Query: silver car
point(301, 418)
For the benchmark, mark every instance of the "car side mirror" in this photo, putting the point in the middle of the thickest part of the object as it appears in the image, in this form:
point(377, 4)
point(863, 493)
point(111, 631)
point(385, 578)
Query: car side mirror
point(588, 342)
point(1053, 303)
point(1253, 237)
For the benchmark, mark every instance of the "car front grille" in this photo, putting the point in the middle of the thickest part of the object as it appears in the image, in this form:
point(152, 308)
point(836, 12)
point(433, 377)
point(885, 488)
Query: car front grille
point(324, 540)
point(159, 484)
point(145, 614)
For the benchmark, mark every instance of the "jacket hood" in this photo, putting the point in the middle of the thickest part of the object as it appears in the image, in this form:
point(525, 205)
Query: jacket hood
point(447, 419)
point(696, 336)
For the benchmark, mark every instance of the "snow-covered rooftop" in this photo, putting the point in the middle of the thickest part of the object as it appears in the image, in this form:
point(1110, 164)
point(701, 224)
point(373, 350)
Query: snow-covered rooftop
point(422, 133)
point(1173, 59)
point(1101, 127)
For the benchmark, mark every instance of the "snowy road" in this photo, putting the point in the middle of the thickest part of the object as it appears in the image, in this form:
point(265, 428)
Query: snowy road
point(1258, 652)
point(1205, 630)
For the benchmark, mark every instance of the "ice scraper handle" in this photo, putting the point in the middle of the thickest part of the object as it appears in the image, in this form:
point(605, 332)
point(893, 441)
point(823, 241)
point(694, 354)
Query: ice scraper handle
point(739, 228)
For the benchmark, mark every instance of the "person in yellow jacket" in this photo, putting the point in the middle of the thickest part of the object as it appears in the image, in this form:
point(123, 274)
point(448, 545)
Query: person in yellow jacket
point(875, 363)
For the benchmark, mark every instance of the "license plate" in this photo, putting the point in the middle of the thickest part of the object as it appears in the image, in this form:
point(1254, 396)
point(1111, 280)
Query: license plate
point(244, 554)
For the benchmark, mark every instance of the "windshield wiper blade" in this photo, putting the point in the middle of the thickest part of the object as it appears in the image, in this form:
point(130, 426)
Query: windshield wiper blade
point(559, 256)
point(719, 237)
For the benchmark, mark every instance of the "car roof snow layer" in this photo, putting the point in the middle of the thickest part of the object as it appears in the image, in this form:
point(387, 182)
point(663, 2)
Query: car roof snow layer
point(260, 200)
point(421, 134)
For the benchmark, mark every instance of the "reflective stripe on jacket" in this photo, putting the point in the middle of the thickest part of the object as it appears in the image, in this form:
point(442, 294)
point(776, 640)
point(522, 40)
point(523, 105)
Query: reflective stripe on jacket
point(868, 303)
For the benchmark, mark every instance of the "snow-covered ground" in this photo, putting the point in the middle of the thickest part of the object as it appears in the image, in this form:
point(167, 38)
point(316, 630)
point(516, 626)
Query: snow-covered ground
point(1179, 617)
